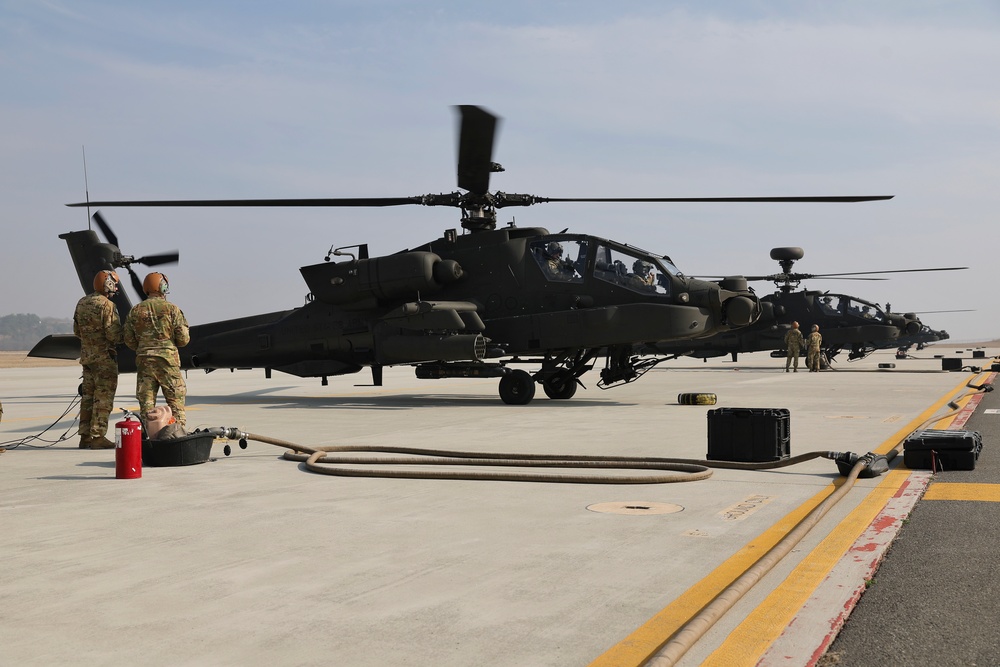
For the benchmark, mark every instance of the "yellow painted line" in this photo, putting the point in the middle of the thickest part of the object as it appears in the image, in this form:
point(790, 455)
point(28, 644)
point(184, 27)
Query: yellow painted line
point(946, 423)
point(901, 434)
point(748, 642)
point(641, 644)
point(954, 491)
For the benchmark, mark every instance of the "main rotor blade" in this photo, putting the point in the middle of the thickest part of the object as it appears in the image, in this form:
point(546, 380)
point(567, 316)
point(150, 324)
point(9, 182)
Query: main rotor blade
point(454, 199)
point(356, 201)
point(475, 148)
point(724, 199)
point(928, 312)
point(798, 277)
point(861, 273)
point(841, 278)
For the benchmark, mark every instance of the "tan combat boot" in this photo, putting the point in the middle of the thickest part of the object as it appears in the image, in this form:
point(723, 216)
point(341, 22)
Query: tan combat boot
point(101, 443)
point(85, 441)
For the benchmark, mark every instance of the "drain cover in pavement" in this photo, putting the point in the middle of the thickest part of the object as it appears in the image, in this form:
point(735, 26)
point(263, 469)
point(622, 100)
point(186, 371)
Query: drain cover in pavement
point(635, 507)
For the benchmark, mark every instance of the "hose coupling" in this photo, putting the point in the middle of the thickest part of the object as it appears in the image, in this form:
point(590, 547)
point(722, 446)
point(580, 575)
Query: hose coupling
point(226, 432)
point(874, 464)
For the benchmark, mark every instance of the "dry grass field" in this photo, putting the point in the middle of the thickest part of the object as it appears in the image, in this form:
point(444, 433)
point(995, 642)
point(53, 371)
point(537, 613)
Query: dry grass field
point(22, 360)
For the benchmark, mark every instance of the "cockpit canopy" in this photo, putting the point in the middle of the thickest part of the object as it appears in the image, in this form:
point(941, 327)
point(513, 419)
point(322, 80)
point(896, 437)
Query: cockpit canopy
point(573, 259)
point(840, 304)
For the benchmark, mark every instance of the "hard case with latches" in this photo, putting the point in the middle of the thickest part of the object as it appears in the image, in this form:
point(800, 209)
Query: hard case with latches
point(749, 435)
point(942, 450)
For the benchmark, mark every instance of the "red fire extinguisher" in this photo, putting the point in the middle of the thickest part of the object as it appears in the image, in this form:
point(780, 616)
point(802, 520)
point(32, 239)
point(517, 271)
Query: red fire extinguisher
point(128, 448)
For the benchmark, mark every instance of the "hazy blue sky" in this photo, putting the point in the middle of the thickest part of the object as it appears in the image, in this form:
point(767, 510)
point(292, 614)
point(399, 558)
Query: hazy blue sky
point(629, 99)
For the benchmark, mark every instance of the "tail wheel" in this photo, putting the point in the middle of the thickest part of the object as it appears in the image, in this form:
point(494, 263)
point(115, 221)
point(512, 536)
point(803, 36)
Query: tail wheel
point(517, 388)
point(562, 385)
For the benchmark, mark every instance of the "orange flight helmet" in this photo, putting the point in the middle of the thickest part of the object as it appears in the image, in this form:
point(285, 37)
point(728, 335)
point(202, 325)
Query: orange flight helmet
point(106, 282)
point(155, 282)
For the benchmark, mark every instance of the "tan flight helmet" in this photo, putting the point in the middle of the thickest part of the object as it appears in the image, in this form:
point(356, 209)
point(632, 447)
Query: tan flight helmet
point(106, 282)
point(155, 282)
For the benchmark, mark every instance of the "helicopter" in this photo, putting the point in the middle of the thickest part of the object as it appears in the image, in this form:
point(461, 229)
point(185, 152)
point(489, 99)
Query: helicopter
point(471, 304)
point(846, 322)
point(926, 336)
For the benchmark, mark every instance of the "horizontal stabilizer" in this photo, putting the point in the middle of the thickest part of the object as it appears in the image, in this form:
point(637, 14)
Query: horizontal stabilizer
point(57, 346)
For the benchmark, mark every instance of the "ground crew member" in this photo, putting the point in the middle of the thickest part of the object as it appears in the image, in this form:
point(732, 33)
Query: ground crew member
point(96, 324)
point(155, 329)
point(794, 343)
point(814, 344)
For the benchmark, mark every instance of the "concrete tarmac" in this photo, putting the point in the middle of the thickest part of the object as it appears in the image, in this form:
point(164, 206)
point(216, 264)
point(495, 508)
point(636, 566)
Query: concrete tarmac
point(251, 559)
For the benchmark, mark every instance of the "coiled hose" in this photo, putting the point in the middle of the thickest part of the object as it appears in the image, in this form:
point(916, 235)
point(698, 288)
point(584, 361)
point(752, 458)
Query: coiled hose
point(679, 470)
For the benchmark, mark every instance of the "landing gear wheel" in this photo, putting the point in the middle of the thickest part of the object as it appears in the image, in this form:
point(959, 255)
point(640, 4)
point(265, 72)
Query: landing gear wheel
point(517, 388)
point(562, 385)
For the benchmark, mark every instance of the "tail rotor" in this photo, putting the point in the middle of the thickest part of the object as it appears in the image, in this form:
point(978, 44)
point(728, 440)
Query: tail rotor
point(126, 261)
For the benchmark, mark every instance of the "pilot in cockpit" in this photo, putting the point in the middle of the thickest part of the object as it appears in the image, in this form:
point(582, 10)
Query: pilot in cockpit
point(554, 266)
point(643, 275)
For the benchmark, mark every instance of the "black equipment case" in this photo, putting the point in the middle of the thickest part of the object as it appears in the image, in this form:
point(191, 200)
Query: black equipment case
point(749, 435)
point(942, 450)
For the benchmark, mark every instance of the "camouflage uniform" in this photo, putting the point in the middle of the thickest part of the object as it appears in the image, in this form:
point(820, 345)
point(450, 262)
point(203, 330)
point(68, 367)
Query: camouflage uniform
point(556, 269)
point(96, 324)
point(640, 281)
point(793, 348)
point(155, 329)
point(815, 343)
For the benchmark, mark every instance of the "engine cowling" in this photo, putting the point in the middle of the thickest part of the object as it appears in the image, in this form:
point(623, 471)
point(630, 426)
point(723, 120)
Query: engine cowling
point(401, 275)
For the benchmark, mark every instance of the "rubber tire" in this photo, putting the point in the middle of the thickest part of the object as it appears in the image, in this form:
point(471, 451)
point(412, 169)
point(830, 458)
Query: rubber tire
point(517, 388)
point(696, 399)
point(560, 386)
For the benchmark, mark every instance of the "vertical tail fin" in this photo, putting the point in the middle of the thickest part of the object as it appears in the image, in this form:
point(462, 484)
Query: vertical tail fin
point(90, 256)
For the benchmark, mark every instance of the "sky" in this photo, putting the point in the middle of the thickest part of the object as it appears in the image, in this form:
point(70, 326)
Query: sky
point(107, 100)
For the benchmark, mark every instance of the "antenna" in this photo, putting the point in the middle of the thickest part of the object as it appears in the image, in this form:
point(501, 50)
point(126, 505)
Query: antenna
point(86, 185)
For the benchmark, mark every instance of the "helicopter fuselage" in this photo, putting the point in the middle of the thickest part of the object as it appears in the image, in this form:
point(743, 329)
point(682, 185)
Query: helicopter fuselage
point(458, 301)
point(844, 322)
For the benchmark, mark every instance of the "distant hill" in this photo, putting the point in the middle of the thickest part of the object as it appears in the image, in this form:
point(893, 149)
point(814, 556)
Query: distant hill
point(22, 331)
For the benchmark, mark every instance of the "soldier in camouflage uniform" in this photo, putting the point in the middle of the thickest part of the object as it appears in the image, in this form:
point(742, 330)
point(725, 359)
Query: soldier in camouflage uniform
point(554, 266)
point(96, 324)
point(155, 329)
point(793, 346)
point(815, 344)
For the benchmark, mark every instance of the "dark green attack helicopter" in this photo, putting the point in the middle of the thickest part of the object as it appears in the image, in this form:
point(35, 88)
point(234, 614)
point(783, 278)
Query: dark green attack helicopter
point(486, 302)
point(846, 322)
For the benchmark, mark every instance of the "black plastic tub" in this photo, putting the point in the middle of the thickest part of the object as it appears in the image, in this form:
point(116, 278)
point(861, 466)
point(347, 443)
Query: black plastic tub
point(184, 451)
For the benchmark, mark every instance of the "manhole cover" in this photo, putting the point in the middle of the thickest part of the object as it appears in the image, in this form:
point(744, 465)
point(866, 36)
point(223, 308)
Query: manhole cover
point(635, 507)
